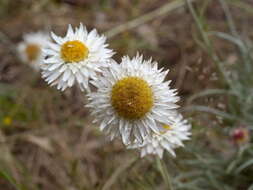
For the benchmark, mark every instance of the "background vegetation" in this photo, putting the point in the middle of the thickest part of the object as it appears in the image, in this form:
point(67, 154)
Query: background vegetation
point(47, 140)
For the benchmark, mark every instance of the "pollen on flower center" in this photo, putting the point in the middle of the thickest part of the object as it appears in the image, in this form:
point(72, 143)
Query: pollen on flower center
point(32, 51)
point(132, 97)
point(74, 51)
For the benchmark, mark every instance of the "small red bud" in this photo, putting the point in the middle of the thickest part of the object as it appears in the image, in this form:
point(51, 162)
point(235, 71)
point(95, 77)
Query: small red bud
point(240, 135)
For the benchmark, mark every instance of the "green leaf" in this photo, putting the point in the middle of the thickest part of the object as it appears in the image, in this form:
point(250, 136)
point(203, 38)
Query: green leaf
point(244, 166)
point(209, 92)
point(10, 179)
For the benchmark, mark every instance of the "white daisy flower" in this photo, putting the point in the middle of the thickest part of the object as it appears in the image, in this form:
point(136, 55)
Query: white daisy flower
point(170, 137)
point(75, 58)
point(131, 99)
point(30, 49)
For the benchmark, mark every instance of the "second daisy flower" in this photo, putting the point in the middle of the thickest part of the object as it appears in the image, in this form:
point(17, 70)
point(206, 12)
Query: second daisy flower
point(75, 58)
point(132, 98)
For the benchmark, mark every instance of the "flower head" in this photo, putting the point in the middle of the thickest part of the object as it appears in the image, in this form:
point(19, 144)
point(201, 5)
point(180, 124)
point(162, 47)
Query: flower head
point(75, 58)
point(132, 99)
point(170, 137)
point(240, 135)
point(30, 49)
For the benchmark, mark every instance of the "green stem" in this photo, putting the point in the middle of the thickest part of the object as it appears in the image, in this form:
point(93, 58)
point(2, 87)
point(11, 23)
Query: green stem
point(243, 50)
point(229, 18)
point(165, 174)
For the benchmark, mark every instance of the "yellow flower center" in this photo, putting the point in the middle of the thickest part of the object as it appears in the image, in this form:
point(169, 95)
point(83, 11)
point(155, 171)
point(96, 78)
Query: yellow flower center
point(166, 128)
point(132, 97)
point(32, 51)
point(74, 51)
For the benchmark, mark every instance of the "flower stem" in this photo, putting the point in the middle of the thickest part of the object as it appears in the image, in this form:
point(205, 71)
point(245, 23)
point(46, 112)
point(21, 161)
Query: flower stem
point(165, 174)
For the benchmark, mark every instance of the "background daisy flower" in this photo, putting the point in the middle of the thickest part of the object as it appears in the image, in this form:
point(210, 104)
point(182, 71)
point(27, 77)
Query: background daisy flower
point(30, 49)
point(75, 58)
point(132, 98)
point(170, 137)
